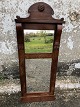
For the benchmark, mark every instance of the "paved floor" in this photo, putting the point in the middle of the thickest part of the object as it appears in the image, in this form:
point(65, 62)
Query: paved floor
point(64, 98)
point(67, 88)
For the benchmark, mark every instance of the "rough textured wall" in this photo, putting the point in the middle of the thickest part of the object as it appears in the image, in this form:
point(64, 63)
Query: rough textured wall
point(70, 41)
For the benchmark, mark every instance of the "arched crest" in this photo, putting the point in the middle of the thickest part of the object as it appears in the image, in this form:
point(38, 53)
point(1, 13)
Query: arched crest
point(40, 12)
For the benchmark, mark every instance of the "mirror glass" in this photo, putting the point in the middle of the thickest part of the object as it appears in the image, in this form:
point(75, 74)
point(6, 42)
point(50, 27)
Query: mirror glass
point(38, 41)
point(38, 74)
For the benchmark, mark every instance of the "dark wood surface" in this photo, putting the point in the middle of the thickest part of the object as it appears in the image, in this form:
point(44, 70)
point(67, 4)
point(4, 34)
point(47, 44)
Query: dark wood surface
point(38, 55)
point(38, 26)
point(55, 59)
point(21, 54)
point(36, 97)
point(40, 18)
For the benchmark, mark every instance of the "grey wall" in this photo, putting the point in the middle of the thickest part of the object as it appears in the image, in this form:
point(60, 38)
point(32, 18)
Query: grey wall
point(70, 41)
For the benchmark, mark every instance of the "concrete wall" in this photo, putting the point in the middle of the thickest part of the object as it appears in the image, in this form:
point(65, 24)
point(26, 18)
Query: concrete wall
point(70, 41)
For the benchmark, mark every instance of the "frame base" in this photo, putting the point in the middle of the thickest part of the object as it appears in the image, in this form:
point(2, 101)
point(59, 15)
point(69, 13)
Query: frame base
point(37, 97)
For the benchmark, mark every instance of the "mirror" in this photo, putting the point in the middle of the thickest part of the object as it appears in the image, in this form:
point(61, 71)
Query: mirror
point(38, 74)
point(38, 41)
point(36, 46)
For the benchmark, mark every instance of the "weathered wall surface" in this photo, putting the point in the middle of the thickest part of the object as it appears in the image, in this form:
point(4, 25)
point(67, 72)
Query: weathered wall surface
point(70, 41)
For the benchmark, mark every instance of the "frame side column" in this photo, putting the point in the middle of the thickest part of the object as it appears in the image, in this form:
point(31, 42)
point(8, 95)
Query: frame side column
point(56, 45)
point(21, 54)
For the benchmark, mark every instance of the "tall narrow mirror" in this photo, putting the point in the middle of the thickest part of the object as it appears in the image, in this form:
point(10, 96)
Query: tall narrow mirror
point(37, 59)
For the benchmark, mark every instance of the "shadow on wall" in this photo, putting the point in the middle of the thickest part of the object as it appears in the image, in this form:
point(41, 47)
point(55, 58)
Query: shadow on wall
point(10, 72)
point(69, 68)
point(64, 69)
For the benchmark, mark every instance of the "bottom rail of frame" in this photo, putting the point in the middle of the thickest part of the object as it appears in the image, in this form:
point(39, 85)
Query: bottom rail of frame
point(37, 97)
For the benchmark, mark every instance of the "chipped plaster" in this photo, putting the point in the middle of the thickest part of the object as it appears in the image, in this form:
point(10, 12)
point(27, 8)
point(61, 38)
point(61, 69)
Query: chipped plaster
point(77, 65)
point(7, 47)
point(70, 43)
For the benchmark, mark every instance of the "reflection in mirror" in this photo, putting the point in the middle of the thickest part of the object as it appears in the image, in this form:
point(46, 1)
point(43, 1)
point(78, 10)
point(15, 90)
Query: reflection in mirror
point(38, 74)
point(38, 41)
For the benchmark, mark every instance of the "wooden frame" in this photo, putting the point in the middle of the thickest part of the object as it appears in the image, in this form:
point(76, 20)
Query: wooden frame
point(40, 18)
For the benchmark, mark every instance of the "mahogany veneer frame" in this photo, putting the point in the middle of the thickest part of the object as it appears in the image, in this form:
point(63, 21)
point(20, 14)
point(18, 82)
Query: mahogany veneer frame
point(40, 18)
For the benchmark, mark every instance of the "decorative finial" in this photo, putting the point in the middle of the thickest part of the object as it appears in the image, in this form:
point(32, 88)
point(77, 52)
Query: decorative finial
point(17, 17)
point(41, 7)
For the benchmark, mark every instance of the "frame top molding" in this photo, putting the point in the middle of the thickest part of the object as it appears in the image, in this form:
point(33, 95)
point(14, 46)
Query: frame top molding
point(40, 12)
